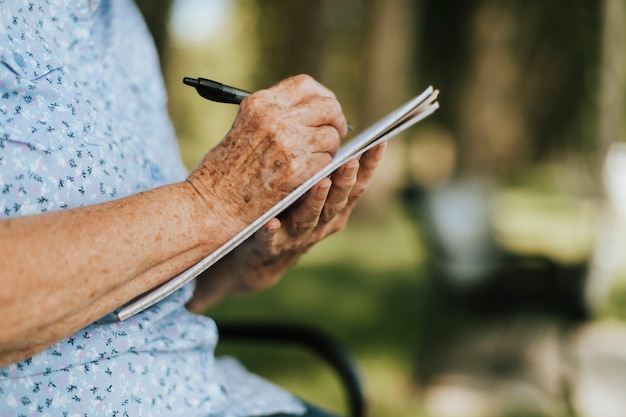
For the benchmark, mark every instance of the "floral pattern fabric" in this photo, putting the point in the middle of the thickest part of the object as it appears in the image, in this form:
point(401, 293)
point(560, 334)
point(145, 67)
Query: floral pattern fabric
point(71, 134)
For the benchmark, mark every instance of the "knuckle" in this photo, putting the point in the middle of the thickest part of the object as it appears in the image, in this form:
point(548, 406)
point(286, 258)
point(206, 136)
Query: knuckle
point(304, 79)
point(333, 104)
point(329, 132)
point(329, 214)
point(259, 96)
point(251, 103)
point(300, 226)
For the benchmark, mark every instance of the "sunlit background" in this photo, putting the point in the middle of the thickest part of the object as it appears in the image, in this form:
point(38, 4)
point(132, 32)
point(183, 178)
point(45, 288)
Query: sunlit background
point(483, 273)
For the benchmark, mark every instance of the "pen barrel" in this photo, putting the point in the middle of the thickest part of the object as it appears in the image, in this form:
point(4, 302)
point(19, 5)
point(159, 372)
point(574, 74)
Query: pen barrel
point(233, 95)
point(214, 91)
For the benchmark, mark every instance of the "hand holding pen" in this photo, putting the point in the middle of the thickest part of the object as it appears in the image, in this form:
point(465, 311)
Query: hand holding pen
point(221, 93)
point(214, 91)
point(280, 138)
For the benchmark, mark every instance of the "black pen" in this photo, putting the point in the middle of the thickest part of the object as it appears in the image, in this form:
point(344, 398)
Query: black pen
point(214, 91)
point(221, 93)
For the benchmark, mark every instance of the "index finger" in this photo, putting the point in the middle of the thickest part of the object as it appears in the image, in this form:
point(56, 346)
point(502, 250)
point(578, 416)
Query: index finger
point(321, 111)
point(298, 89)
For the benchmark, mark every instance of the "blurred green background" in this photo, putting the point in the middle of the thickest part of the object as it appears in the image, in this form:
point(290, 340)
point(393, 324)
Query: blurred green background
point(482, 272)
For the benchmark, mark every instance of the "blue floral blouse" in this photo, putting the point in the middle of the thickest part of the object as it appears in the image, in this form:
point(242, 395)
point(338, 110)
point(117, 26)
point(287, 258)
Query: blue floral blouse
point(83, 120)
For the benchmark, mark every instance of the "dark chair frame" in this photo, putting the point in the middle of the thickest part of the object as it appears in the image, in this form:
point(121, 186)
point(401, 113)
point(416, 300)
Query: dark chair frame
point(310, 338)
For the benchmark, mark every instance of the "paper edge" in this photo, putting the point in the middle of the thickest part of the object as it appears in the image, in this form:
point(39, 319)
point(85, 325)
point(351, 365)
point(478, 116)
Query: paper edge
point(378, 132)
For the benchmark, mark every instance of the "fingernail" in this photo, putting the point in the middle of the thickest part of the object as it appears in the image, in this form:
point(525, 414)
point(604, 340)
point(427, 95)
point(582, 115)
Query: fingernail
point(272, 227)
point(350, 171)
point(322, 191)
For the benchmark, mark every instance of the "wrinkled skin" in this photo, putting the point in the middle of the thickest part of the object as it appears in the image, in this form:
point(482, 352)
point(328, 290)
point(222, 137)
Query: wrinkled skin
point(299, 136)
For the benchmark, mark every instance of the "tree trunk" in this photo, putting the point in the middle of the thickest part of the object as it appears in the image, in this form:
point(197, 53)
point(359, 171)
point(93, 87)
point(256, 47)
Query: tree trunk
point(290, 39)
point(493, 134)
point(611, 90)
point(390, 39)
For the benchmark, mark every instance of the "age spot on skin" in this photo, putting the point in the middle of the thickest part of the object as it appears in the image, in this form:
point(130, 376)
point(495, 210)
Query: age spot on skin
point(246, 198)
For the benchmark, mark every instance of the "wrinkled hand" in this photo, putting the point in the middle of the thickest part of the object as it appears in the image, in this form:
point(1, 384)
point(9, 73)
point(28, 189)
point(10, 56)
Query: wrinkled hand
point(280, 137)
point(260, 261)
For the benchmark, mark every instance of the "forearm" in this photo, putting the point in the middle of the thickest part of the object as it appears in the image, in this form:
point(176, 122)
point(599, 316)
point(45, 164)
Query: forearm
point(34, 340)
point(60, 271)
point(63, 270)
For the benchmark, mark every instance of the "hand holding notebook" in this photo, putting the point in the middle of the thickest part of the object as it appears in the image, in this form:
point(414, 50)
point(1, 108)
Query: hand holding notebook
point(395, 122)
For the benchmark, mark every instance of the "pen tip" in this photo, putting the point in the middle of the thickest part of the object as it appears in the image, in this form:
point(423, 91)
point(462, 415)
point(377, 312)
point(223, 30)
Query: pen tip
point(190, 81)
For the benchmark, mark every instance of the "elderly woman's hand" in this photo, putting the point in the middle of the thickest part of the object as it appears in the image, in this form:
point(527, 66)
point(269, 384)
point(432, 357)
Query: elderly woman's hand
point(261, 260)
point(279, 139)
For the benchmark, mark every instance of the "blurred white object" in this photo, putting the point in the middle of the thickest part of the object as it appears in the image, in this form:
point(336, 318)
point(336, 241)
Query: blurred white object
point(615, 177)
point(461, 215)
point(610, 246)
point(599, 386)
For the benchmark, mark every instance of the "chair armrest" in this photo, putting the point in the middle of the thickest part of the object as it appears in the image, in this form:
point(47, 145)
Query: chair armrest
point(307, 337)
